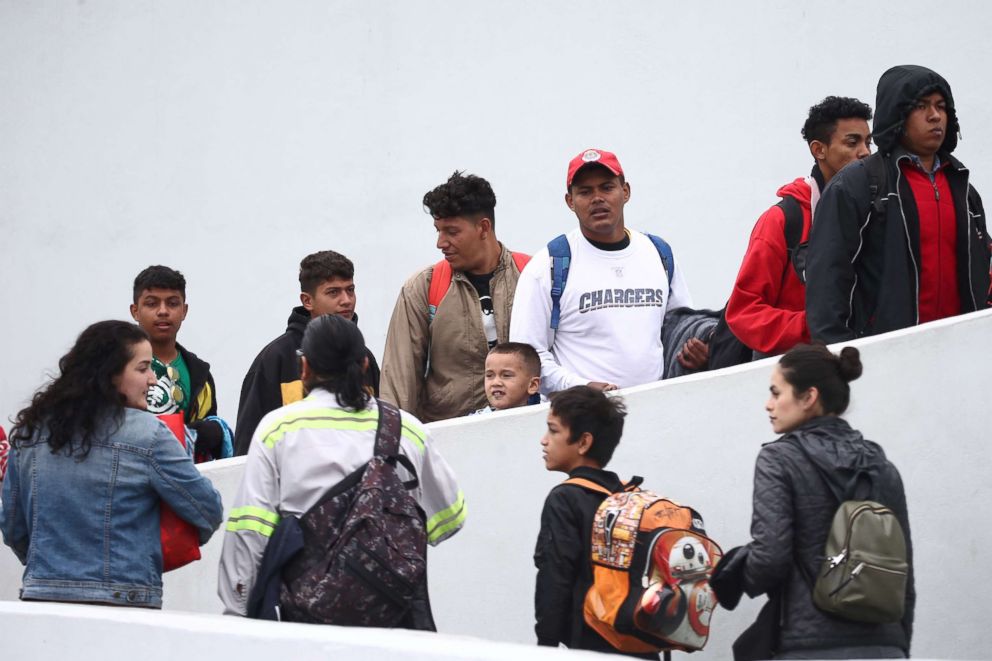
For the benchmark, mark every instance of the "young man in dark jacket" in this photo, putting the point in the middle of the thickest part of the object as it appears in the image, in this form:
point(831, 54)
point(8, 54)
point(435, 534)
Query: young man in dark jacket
point(767, 307)
point(184, 384)
point(900, 237)
point(327, 286)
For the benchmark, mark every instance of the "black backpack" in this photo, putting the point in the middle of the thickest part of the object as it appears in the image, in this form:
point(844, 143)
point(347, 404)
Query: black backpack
point(360, 554)
point(796, 247)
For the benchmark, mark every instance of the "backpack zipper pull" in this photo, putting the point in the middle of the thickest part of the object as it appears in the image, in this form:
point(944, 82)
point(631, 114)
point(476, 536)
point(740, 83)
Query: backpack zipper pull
point(837, 559)
point(857, 570)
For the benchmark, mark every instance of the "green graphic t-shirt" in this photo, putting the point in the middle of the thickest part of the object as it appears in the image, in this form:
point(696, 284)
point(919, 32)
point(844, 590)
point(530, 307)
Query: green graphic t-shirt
point(172, 392)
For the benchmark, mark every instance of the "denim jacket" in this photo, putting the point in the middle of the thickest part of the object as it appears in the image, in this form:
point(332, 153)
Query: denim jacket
point(87, 529)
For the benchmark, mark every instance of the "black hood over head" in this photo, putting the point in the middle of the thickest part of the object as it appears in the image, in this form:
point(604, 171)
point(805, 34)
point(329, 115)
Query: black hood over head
point(898, 89)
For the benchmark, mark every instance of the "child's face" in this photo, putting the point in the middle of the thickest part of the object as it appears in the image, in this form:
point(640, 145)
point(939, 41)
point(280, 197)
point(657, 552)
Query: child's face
point(559, 454)
point(507, 383)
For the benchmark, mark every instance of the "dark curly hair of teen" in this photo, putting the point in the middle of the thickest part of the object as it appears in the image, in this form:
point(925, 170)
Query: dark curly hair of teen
point(159, 277)
point(823, 117)
point(321, 267)
point(468, 196)
point(584, 409)
point(72, 408)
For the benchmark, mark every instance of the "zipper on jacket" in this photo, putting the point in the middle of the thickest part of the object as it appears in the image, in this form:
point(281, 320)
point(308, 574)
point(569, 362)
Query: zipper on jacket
point(967, 247)
point(909, 245)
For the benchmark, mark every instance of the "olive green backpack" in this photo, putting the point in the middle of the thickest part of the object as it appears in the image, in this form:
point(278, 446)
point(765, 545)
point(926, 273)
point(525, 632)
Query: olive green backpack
point(864, 569)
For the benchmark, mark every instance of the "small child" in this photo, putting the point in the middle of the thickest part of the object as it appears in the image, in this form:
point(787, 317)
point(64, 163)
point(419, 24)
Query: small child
point(584, 428)
point(513, 376)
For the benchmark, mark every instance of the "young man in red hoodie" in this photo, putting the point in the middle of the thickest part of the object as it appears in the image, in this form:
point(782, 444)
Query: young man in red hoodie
point(767, 307)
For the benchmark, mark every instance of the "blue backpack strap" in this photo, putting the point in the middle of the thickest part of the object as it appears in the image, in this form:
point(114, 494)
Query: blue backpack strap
point(667, 258)
point(561, 257)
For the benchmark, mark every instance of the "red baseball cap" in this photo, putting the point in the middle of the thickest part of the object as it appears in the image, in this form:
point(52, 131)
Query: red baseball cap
point(593, 157)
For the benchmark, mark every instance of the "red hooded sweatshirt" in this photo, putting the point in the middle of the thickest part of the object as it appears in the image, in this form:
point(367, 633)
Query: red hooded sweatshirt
point(767, 307)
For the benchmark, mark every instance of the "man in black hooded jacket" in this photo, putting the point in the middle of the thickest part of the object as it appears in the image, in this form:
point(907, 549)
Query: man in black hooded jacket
point(326, 287)
point(900, 237)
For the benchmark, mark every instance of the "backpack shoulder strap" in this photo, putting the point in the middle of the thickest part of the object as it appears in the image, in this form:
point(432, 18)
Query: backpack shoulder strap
point(387, 440)
point(561, 256)
point(793, 213)
point(440, 282)
point(793, 222)
point(588, 484)
point(520, 259)
point(665, 252)
point(875, 167)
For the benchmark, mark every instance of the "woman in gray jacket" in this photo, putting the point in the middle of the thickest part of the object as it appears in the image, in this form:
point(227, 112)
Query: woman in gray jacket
point(793, 508)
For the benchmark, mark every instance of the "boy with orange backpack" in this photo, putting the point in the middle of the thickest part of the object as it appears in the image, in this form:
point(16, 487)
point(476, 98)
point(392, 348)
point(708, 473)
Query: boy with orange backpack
point(619, 569)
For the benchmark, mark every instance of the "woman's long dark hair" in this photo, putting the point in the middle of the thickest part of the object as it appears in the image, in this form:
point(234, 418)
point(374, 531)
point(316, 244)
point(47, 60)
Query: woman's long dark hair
point(335, 351)
point(72, 407)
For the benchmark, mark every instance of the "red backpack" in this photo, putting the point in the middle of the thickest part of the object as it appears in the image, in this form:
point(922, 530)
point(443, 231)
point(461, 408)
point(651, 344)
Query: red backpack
point(651, 565)
point(441, 281)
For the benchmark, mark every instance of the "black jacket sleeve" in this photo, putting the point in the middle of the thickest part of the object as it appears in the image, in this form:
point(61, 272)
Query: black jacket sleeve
point(558, 558)
point(835, 239)
point(260, 394)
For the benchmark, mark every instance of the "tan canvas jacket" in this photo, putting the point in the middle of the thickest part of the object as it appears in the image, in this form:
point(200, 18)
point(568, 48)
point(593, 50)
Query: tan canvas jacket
point(451, 350)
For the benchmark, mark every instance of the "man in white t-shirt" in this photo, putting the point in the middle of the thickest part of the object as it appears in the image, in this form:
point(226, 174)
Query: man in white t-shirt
point(615, 296)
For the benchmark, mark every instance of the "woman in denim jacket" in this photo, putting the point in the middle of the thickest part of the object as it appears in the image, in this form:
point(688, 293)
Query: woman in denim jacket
point(88, 469)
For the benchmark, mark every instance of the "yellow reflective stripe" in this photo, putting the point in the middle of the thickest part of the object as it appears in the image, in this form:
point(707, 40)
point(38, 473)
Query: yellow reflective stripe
point(252, 518)
point(323, 418)
point(257, 512)
point(251, 524)
point(447, 519)
point(411, 434)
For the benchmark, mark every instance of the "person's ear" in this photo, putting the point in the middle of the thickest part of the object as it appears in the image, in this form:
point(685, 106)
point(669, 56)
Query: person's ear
point(584, 443)
point(485, 227)
point(818, 150)
point(185, 311)
point(134, 311)
point(305, 371)
point(534, 385)
point(626, 192)
point(810, 399)
point(568, 201)
point(307, 301)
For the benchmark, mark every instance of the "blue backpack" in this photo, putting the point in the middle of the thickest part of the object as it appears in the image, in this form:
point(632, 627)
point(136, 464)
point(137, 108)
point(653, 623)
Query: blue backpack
point(561, 258)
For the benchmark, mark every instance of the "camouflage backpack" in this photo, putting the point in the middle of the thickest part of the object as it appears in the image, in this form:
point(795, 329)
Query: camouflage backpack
point(364, 556)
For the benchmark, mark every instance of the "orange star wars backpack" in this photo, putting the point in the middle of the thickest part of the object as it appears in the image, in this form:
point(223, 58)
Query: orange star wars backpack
point(651, 564)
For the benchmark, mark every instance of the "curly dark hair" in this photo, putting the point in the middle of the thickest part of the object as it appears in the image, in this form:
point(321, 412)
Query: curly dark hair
point(584, 409)
point(468, 196)
point(335, 351)
point(321, 267)
point(823, 117)
point(73, 406)
point(159, 277)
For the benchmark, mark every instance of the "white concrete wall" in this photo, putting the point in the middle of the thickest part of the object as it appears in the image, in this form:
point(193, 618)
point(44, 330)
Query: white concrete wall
point(230, 138)
point(923, 396)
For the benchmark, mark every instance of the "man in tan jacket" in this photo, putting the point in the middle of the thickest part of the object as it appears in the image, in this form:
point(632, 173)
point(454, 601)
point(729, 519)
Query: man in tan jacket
point(449, 315)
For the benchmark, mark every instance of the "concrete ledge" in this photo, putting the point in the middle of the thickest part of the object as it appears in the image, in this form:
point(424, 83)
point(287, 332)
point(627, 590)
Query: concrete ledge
point(47, 631)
